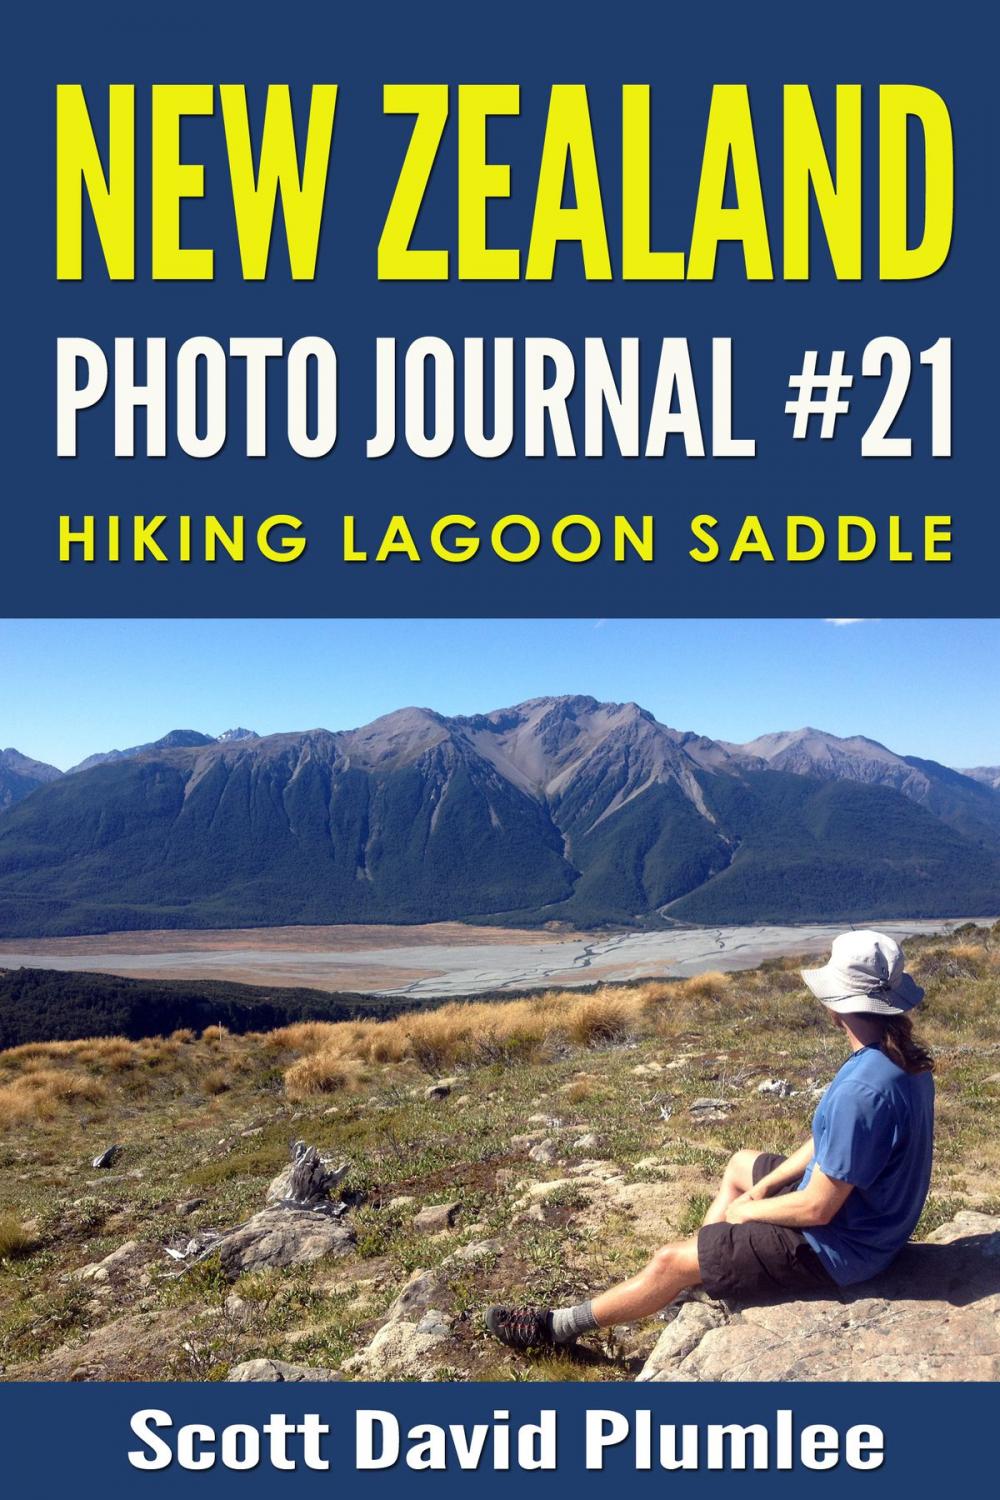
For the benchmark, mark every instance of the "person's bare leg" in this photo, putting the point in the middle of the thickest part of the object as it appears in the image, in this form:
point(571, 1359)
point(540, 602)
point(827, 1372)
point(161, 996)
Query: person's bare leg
point(736, 1179)
point(671, 1269)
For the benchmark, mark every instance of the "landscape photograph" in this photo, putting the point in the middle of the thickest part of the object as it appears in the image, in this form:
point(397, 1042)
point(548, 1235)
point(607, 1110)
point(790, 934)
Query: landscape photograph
point(359, 977)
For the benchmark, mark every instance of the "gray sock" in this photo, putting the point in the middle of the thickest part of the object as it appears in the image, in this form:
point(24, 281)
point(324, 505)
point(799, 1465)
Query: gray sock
point(569, 1322)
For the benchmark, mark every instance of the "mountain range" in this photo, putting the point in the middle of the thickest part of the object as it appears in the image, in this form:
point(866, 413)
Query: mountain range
point(177, 739)
point(557, 809)
point(19, 775)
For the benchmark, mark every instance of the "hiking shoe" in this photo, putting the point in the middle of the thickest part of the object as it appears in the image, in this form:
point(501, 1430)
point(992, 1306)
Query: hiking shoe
point(520, 1327)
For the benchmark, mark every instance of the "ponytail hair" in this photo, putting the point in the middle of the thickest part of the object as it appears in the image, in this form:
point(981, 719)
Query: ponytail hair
point(902, 1047)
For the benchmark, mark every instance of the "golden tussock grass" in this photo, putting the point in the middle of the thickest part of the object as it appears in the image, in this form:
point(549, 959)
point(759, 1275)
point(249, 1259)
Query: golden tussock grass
point(113, 1054)
point(469, 1033)
point(216, 1081)
point(15, 1240)
point(601, 1018)
point(320, 1074)
point(105, 1052)
point(215, 1035)
point(300, 1036)
point(474, 1033)
point(42, 1080)
point(39, 1093)
point(712, 985)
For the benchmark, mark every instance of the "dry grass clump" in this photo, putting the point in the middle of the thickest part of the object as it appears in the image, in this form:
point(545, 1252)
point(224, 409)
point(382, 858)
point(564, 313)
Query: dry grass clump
point(112, 1053)
point(40, 1081)
point(474, 1033)
point(215, 1035)
point(954, 961)
point(962, 978)
point(713, 985)
point(653, 996)
point(320, 1073)
point(600, 1019)
point(39, 1093)
point(779, 975)
point(15, 1241)
point(29, 1051)
point(300, 1036)
point(102, 1053)
point(216, 1081)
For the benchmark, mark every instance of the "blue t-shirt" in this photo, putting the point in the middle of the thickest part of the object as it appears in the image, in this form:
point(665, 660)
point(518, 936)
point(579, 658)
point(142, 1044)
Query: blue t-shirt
point(874, 1128)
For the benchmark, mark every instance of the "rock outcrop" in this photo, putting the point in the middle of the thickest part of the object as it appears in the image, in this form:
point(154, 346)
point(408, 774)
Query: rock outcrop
point(278, 1237)
point(436, 1217)
point(934, 1316)
point(279, 1370)
point(300, 1223)
point(402, 1350)
point(122, 1261)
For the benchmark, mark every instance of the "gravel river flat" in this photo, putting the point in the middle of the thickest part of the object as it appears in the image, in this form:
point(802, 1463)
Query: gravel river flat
point(433, 960)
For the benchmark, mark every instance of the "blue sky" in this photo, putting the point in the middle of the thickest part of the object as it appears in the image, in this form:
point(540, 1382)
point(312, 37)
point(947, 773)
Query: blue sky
point(924, 687)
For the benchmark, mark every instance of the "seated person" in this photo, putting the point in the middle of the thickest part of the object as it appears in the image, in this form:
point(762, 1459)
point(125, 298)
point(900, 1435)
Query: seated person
point(835, 1212)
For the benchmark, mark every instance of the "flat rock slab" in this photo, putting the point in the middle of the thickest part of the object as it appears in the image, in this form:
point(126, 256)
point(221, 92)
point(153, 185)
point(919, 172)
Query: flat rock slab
point(120, 1261)
point(653, 1208)
point(279, 1370)
point(278, 1237)
point(935, 1315)
point(139, 1346)
point(436, 1216)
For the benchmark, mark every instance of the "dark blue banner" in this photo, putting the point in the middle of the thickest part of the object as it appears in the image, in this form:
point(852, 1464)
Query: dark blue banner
point(824, 392)
point(447, 1439)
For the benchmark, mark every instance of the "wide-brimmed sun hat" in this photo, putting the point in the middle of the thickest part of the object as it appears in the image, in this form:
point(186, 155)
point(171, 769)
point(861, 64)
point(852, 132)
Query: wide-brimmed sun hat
point(865, 976)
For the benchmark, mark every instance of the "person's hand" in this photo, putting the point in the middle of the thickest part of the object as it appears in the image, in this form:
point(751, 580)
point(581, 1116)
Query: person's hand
point(739, 1210)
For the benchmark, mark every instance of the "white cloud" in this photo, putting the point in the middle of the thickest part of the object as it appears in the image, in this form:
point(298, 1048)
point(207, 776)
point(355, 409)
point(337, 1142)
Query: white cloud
point(845, 622)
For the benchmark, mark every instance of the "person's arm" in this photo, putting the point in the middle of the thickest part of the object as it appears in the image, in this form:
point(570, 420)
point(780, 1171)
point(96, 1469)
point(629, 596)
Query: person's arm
point(817, 1203)
point(790, 1170)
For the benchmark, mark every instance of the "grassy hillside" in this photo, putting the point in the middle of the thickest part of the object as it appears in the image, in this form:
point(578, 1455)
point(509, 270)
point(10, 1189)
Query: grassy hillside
point(846, 850)
point(205, 1121)
point(131, 846)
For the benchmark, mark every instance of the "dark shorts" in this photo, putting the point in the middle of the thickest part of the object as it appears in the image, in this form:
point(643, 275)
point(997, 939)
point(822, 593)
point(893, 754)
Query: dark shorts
point(759, 1262)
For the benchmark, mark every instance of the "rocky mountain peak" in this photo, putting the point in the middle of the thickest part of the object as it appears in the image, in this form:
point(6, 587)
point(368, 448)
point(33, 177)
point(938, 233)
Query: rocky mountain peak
point(19, 776)
point(542, 743)
point(22, 765)
point(394, 739)
point(817, 745)
point(174, 739)
point(178, 739)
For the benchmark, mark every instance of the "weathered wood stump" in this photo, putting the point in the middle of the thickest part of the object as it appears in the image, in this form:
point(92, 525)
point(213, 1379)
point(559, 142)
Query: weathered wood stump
point(308, 1181)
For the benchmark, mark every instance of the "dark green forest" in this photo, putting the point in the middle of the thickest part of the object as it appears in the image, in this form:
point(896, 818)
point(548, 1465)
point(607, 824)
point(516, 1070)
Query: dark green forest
point(49, 1005)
